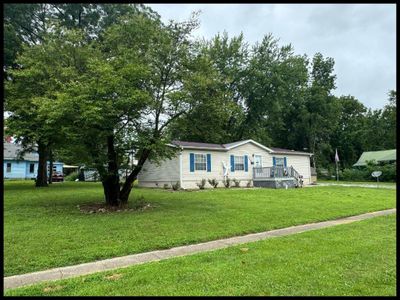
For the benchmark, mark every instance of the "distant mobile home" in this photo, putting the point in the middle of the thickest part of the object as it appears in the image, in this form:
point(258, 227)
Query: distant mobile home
point(243, 160)
point(379, 157)
point(24, 168)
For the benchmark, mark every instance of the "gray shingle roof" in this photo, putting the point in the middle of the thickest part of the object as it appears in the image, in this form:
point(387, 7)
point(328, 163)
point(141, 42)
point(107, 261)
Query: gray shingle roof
point(198, 145)
point(226, 147)
point(233, 144)
point(282, 150)
point(12, 150)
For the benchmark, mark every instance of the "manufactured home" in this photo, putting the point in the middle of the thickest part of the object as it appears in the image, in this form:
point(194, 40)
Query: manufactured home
point(245, 160)
point(26, 167)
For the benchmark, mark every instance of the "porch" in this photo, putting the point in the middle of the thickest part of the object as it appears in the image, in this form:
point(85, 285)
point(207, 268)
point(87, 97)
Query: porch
point(276, 177)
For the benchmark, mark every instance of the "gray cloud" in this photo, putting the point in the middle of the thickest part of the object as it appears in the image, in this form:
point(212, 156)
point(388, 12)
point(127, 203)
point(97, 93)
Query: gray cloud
point(360, 37)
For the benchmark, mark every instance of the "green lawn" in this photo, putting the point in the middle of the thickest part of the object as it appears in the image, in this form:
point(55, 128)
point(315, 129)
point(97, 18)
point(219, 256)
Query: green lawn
point(373, 183)
point(43, 228)
point(353, 259)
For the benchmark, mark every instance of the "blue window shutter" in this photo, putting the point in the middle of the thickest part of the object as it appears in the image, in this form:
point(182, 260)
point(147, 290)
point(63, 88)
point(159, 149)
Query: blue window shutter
point(191, 162)
point(246, 166)
point(232, 163)
point(284, 161)
point(274, 161)
point(208, 162)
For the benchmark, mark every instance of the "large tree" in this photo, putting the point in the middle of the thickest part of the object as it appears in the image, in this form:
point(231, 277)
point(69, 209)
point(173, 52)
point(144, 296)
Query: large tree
point(348, 137)
point(33, 54)
point(220, 66)
point(137, 83)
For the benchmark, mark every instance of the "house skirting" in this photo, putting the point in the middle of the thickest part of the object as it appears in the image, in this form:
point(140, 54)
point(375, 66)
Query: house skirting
point(275, 183)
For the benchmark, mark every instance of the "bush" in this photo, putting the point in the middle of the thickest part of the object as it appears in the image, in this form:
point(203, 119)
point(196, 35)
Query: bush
point(327, 174)
point(236, 182)
point(166, 186)
point(202, 184)
point(213, 182)
point(72, 177)
point(364, 173)
point(138, 203)
point(227, 182)
point(249, 183)
point(176, 186)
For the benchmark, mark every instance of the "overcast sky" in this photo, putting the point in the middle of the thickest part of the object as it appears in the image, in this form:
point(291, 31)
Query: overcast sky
point(360, 37)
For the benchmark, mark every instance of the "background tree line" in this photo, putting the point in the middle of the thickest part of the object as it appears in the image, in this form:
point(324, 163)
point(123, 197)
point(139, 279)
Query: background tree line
point(90, 83)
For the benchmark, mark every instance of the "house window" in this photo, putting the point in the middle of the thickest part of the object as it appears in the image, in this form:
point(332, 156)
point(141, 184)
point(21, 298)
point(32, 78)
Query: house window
point(8, 167)
point(200, 162)
point(239, 163)
point(31, 168)
point(279, 162)
point(54, 168)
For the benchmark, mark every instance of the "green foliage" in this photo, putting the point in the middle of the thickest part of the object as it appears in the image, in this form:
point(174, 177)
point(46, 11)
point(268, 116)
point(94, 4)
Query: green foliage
point(117, 72)
point(201, 184)
point(364, 173)
point(176, 186)
point(166, 186)
point(213, 182)
point(236, 182)
point(72, 177)
point(227, 182)
point(138, 202)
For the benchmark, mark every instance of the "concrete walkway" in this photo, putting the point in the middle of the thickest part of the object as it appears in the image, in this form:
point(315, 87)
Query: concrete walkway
point(129, 260)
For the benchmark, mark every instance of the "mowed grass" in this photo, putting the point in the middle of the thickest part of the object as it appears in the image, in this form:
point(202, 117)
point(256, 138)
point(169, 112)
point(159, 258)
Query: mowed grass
point(356, 259)
point(372, 183)
point(43, 228)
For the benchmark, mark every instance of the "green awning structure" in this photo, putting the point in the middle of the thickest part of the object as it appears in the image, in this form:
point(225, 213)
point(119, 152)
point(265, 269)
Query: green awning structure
point(378, 156)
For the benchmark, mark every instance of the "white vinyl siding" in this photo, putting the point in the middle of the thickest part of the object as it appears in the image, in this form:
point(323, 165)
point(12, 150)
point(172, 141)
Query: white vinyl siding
point(154, 175)
point(167, 172)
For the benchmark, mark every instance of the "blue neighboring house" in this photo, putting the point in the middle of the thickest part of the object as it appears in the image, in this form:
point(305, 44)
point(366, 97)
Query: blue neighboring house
point(25, 168)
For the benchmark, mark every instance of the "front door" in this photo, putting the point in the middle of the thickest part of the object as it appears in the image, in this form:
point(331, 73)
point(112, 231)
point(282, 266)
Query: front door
point(257, 161)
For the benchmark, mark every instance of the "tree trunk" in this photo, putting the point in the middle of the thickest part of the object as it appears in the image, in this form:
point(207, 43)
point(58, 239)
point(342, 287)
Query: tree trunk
point(51, 167)
point(41, 179)
point(126, 189)
point(111, 179)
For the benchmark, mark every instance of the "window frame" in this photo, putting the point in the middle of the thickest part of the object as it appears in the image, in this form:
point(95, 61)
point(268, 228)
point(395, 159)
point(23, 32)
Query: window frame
point(236, 157)
point(197, 163)
point(281, 159)
point(8, 167)
point(30, 168)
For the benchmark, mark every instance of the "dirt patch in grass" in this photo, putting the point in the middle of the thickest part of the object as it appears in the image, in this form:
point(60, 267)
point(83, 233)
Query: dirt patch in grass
point(92, 208)
point(113, 277)
point(52, 288)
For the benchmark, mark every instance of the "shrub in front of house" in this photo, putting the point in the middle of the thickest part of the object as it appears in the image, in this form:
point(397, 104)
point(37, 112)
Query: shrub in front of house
point(72, 177)
point(201, 184)
point(236, 182)
point(227, 182)
point(176, 186)
point(249, 183)
point(166, 186)
point(213, 182)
